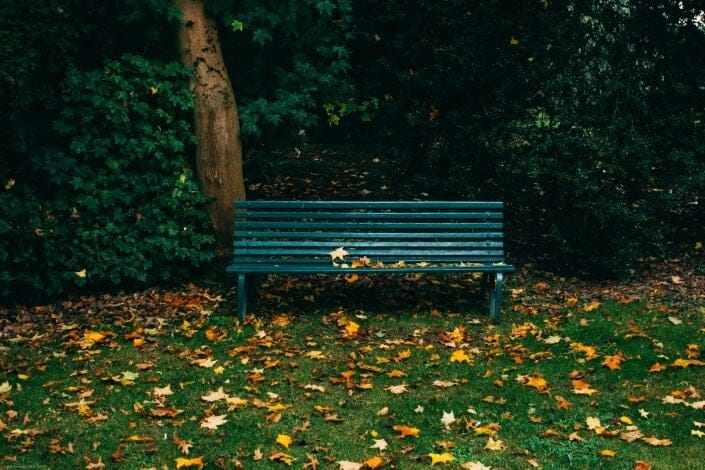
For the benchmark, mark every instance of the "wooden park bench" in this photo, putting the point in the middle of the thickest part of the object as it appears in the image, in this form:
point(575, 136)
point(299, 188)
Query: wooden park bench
point(305, 237)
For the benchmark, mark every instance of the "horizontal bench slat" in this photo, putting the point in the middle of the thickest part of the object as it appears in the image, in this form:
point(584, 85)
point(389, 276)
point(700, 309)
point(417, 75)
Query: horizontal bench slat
point(314, 269)
point(367, 252)
point(389, 216)
point(346, 205)
point(285, 235)
point(357, 245)
point(365, 226)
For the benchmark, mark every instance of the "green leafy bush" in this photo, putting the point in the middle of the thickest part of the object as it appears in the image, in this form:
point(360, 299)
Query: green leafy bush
point(121, 204)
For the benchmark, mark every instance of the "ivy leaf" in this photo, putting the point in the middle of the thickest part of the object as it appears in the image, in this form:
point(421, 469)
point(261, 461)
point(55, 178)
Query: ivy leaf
point(237, 25)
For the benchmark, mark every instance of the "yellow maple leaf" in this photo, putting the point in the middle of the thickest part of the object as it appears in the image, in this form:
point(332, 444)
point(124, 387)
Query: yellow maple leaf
point(594, 305)
point(284, 440)
point(406, 431)
point(182, 462)
point(406, 354)
point(445, 457)
point(460, 356)
point(82, 273)
point(91, 337)
point(607, 453)
point(351, 330)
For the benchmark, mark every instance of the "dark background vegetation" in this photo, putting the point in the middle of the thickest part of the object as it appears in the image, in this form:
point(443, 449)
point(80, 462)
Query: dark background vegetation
point(586, 118)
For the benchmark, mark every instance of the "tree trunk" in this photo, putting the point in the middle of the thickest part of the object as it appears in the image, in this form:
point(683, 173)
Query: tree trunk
point(219, 153)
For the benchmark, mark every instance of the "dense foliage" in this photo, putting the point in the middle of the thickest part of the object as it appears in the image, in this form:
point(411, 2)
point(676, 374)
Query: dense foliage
point(585, 117)
point(124, 205)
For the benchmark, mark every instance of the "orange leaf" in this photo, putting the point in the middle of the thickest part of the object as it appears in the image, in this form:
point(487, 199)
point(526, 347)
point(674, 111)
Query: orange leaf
point(614, 362)
point(406, 431)
point(658, 367)
point(535, 381)
point(373, 462)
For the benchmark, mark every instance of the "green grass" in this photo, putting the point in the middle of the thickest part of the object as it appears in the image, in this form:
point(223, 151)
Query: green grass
point(298, 374)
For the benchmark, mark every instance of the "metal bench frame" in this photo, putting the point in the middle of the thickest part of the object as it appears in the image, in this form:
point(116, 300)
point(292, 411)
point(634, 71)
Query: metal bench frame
point(298, 237)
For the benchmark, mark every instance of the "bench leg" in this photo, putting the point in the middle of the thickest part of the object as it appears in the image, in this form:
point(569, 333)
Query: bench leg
point(496, 297)
point(241, 297)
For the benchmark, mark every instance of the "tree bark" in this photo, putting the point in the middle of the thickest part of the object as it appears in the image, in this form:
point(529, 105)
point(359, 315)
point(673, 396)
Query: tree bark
point(219, 152)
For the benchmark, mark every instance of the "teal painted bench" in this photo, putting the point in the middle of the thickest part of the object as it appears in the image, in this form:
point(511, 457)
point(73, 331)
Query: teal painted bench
point(335, 237)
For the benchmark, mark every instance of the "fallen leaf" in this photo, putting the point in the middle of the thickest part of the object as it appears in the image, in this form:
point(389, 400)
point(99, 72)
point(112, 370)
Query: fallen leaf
point(641, 465)
point(284, 440)
point(592, 422)
point(397, 389)
point(338, 255)
point(282, 457)
point(654, 441)
point(592, 306)
point(183, 445)
point(448, 418)
point(474, 466)
point(607, 453)
point(614, 362)
point(348, 465)
point(212, 422)
point(215, 396)
point(494, 444)
point(182, 462)
point(380, 444)
point(373, 462)
point(460, 356)
point(163, 391)
point(443, 383)
point(445, 457)
point(406, 431)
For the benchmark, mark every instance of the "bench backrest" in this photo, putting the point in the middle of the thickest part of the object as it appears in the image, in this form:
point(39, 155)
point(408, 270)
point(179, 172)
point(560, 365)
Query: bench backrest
point(386, 232)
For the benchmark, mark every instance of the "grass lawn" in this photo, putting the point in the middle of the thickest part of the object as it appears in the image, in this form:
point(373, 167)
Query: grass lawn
point(388, 372)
